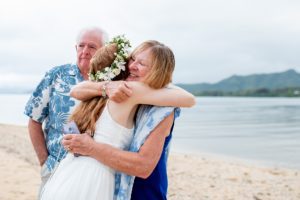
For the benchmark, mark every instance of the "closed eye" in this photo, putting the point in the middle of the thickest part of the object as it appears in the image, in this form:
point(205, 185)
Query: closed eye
point(92, 47)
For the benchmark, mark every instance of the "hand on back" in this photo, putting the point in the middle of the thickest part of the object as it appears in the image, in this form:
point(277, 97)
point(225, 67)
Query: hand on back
point(118, 91)
point(78, 143)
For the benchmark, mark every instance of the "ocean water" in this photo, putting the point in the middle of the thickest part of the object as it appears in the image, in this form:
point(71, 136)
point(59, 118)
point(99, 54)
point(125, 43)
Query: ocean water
point(12, 108)
point(259, 129)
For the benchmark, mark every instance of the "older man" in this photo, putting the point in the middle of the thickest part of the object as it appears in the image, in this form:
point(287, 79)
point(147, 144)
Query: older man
point(51, 104)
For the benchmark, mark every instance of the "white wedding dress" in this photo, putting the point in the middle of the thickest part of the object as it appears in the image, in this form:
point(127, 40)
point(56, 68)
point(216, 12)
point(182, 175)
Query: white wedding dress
point(84, 178)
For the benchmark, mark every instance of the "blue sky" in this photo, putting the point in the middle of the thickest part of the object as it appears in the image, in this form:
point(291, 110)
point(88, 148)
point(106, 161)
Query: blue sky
point(211, 39)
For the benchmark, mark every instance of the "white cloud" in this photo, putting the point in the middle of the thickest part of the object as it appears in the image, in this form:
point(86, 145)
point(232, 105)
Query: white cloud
point(211, 39)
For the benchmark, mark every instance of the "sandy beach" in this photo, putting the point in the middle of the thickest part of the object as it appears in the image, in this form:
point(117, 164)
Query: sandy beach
point(191, 177)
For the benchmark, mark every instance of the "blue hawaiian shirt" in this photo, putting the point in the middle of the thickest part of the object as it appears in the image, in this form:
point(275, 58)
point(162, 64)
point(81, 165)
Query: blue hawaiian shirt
point(51, 104)
point(148, 117)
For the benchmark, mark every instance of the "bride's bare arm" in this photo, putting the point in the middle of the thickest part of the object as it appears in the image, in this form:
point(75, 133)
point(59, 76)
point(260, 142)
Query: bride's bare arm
point(170, 96)
point(86, 90)
point(139, 92)
point(117, 91)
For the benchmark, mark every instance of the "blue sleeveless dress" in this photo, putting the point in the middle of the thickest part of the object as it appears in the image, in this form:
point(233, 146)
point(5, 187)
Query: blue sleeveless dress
point(156, 185)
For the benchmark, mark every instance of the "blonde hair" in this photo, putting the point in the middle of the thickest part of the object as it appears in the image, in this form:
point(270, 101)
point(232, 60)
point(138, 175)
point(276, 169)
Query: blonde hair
point(162, 63)
point(87, 113)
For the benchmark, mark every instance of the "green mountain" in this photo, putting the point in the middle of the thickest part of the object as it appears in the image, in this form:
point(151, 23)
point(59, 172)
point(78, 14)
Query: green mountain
point(239, 85)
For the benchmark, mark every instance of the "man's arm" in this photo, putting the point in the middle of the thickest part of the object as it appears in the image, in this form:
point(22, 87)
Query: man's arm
point(139, 164)
point(38, 141)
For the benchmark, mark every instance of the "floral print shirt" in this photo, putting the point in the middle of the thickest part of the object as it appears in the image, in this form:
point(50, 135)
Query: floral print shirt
point(51, 104)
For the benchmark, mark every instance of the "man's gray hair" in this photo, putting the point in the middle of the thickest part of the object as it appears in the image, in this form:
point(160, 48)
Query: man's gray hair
point(99, 31)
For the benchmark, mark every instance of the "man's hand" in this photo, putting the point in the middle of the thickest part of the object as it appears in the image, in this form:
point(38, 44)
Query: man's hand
point(118, 91)
point(78, 143)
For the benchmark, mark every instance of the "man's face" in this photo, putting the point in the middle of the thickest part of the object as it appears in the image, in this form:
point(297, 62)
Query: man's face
point(86, 47)
point(139, 65)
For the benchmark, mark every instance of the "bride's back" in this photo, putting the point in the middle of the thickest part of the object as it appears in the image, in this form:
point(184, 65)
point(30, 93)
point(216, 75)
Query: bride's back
point(122, 113)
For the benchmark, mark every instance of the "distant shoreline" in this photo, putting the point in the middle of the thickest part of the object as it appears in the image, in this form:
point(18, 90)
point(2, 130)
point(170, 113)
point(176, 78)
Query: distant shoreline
point(277, 84)
point(219, 94)
point(260, 92)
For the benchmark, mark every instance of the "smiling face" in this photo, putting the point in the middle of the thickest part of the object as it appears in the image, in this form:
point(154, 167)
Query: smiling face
point(139, 65)
point(152, 63)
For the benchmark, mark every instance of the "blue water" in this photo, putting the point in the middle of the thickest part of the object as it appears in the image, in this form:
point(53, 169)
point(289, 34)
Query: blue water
point(260, 129)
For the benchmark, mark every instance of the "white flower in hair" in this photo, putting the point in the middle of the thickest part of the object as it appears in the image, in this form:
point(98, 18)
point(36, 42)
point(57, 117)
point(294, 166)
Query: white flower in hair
point(116, 71)
point(118, 65)
point(121, 65)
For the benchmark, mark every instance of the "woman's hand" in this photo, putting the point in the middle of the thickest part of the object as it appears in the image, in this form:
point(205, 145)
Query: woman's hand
point(118, 91)
point(78, 143)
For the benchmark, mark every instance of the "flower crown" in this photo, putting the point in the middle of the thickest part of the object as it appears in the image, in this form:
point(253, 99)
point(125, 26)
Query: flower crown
point(110, 72)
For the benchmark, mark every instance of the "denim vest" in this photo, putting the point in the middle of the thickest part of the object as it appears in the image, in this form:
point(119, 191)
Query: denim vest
point(148, 117)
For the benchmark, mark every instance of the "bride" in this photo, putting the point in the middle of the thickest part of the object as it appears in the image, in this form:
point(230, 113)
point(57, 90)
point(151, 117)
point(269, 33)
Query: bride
point(83, 177)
